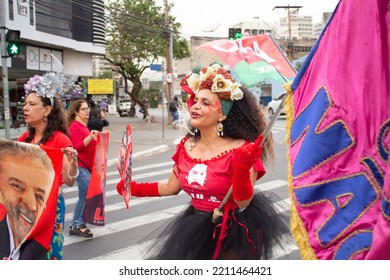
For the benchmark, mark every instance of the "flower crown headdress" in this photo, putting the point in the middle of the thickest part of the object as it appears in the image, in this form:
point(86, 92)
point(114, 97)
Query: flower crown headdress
point(216, 79)
point(50, 85)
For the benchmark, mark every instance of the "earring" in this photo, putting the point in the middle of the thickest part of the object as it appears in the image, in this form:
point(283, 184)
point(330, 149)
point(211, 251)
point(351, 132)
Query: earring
point(220, 129)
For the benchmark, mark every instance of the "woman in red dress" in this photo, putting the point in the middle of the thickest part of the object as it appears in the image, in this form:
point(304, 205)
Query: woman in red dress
point(223, 149)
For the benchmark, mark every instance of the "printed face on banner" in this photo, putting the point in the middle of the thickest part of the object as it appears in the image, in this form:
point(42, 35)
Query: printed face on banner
point(26, 178)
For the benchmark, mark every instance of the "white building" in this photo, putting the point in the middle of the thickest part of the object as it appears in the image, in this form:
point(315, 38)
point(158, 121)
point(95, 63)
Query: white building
point(52, 32)
point(300, 27)
point(319, 26)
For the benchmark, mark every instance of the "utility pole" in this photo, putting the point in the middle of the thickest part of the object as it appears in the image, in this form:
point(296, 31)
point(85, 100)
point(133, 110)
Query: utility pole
point(4, 68)
point(168, 53)
point(290, 42)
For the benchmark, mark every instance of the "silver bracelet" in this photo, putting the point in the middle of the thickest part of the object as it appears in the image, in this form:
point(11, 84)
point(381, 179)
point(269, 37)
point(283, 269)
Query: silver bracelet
point(73, 176)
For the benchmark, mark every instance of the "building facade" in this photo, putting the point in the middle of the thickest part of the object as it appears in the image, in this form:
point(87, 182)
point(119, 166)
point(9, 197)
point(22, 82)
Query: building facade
point(55, 35)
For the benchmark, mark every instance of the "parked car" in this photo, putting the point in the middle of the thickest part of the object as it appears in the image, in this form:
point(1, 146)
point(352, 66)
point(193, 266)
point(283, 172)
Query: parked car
point(124, 106)
point(274, 104)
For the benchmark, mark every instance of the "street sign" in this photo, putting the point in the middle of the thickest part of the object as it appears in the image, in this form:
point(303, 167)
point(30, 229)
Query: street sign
point(169, 78)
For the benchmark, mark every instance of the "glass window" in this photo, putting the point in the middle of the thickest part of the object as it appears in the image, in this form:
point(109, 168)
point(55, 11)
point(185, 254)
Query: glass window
point(10, 9)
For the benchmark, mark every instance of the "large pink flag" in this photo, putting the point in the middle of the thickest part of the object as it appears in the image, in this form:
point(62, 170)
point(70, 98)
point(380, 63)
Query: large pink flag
point(339, 137)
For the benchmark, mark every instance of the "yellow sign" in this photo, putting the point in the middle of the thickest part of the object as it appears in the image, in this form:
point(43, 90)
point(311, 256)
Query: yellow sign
point(100, 86)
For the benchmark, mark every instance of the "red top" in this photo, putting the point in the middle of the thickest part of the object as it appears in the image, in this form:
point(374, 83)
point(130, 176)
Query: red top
point(58, 140)
point(208, 181)
point(78, 132)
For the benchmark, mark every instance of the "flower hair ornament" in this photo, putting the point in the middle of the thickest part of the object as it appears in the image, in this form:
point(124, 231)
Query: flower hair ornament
point(50, 85)
point(216, 79)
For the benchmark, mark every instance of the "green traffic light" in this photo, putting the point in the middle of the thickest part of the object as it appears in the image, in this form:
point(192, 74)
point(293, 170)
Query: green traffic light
point(238, 35)
point(13, 48)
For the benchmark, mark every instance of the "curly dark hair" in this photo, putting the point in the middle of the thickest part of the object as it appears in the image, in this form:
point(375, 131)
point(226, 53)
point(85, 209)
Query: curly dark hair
point(246, 121)
point(55, 120)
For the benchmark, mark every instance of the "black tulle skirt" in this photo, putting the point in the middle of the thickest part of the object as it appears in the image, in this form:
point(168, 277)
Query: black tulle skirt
point(253, 233)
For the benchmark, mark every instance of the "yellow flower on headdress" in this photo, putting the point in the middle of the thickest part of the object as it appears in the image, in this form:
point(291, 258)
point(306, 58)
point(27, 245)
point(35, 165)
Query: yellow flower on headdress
point(237, 93)
point(220, 84)
point(193, 82)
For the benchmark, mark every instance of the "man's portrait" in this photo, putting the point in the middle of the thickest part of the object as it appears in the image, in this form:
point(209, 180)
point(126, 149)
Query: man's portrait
point(26, 178)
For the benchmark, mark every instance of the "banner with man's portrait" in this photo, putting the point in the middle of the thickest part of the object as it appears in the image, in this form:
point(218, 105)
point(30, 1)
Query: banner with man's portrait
point(29, 182)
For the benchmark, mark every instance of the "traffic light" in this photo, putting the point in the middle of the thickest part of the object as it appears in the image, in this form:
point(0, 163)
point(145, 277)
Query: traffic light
point(13, 47)
point(235, 33)
point(231, 34)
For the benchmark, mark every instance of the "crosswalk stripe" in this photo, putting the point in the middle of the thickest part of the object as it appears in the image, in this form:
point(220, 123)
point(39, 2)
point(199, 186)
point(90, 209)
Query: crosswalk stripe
point(135, 222)
point(144, 167)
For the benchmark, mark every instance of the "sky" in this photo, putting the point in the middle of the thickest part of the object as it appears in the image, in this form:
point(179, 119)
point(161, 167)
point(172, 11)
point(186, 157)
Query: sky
point(199, 15)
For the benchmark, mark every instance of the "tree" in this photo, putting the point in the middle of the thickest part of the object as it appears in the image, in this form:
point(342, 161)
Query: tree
point(105, 75)
point(135, 39)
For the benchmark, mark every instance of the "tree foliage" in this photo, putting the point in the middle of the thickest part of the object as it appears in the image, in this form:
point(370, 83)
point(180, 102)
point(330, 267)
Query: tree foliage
point(136, 38)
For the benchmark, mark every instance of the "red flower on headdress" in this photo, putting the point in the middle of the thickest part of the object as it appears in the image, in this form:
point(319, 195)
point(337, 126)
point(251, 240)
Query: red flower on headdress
point(187, 89)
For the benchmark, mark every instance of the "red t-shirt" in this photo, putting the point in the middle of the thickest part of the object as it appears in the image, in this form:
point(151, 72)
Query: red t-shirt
point(58, 140)
point(78, 132)
point(208, 181)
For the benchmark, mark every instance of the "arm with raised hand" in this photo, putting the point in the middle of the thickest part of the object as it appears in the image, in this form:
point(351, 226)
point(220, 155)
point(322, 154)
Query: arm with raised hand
point(162, 188)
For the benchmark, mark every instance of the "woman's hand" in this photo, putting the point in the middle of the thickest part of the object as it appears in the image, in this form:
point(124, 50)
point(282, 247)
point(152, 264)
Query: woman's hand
point(93, 134)
point(71, 154)
point(69, 166)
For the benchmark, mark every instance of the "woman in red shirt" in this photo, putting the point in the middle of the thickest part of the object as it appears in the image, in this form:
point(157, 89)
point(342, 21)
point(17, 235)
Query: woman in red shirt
point(223, 149)
point(45, 118)
point(84, 141)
